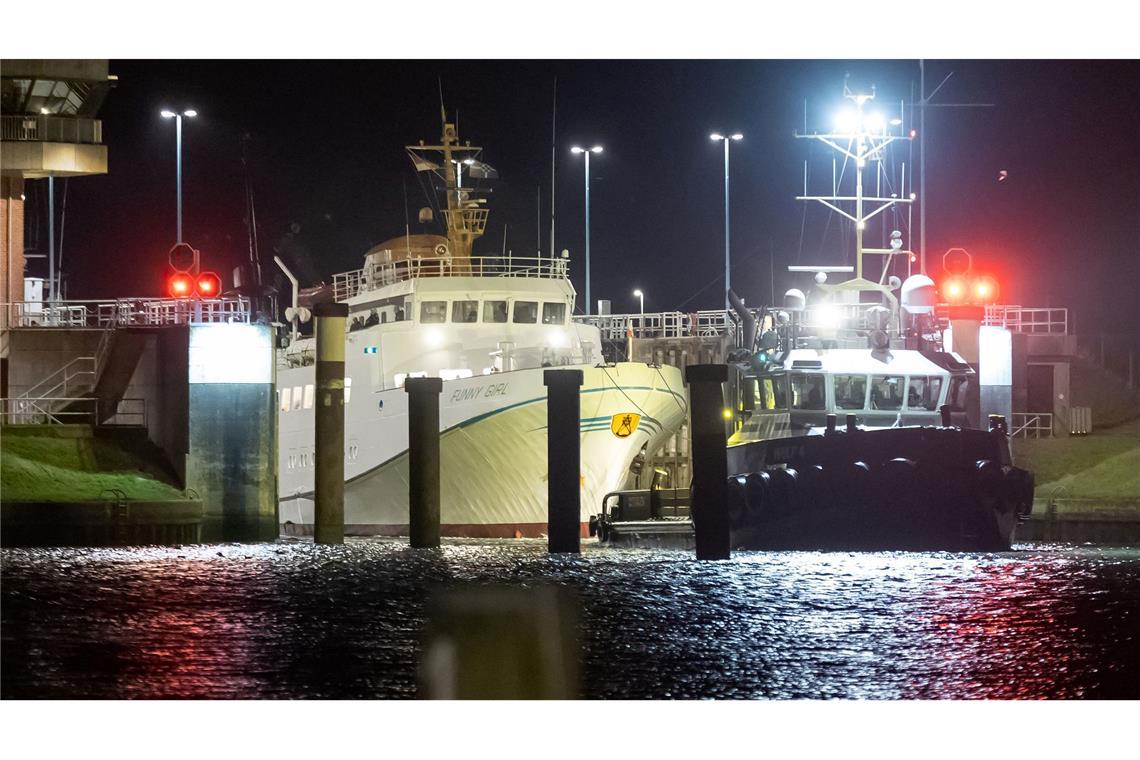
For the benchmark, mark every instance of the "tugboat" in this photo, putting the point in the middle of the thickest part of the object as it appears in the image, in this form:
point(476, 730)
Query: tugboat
point(905, 470)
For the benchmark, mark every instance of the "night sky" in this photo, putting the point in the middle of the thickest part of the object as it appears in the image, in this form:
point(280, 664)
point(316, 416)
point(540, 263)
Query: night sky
point(328, 170)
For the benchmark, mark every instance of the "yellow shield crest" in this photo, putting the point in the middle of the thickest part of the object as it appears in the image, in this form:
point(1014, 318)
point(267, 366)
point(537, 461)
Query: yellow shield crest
point(623, 425)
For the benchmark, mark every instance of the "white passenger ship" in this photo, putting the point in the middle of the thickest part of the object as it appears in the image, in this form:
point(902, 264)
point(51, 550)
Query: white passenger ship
point(489, 327)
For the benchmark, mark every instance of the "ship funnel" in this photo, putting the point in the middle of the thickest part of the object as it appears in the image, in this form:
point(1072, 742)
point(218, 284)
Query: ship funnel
point(918, 294)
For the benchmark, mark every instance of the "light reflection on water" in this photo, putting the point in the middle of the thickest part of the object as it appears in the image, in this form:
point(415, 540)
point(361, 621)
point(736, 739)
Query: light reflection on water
point(296, 620)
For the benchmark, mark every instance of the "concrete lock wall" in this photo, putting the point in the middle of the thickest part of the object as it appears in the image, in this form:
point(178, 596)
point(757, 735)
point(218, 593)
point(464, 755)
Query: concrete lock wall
point(232, 430)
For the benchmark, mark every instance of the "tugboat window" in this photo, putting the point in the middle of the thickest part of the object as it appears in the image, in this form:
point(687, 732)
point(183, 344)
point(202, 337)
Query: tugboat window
point(433, 312)
point(957, 399)
point(526, 312)
point(772, 392)
point(807, 392)
point(923, 392)
point(887, 392)
point(850, 391)
point(494, 311)
point(464, 311)
point(553, 313)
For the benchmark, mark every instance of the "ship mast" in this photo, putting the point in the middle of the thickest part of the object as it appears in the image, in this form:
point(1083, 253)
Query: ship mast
point(465, 217)
point(861, 138)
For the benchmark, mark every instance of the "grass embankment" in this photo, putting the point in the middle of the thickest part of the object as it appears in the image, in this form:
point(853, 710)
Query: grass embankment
point(75, 468)
point(1104, 465)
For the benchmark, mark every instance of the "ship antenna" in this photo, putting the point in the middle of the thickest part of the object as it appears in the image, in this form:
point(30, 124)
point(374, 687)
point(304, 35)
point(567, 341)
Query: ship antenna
point(553, 149)
point(442, 110)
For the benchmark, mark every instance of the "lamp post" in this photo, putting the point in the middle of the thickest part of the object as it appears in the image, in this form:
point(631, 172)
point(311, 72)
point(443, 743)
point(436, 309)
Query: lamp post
point(189, 113)
point(641, 296)
point(727, 280)
point(587, 151)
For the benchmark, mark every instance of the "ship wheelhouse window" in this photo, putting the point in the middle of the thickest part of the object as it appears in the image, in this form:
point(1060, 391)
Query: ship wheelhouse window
point(807, 391)
point(433, 312)
point(850, 391)
point(296, 397)
point(923, 393)
point(286, 399)
point(526, 312)
point(887, 392)
point(958, 393)
point(772, 393)
point(309, 391)
point(553, 313)
point(464, 311)
point(494, 311)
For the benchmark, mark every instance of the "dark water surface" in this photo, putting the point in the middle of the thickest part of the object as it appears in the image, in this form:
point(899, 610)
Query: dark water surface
point(296, 620)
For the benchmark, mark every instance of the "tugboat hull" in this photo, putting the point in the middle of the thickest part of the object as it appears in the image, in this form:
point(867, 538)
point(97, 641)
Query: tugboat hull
point(917, 488)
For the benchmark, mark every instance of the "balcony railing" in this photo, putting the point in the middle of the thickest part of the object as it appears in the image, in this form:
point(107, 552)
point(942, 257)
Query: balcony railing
point(1032, 320)
point(61, 129)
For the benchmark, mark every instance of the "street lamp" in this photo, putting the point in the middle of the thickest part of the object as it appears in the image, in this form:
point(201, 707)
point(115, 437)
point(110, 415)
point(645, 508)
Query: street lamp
point(727, 281)
point(190, 114)
point(587, 151)
point(641, 296)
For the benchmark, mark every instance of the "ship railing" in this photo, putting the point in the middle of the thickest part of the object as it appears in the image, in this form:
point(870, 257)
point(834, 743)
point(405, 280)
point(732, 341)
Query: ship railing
point(1031, 425)
point(126, 312)
point(58, 410)
point(1026, 319)
point(378, 274)
point(663, 324)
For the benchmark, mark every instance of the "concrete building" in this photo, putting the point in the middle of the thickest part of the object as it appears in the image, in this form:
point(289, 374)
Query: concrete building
point(48, 109)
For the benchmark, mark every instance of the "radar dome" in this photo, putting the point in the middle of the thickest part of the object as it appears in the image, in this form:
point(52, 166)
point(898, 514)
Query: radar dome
point(794, 300)
point(919, 294)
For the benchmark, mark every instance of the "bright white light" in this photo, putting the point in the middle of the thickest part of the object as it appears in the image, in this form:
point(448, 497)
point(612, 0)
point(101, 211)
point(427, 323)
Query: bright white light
point(895, 122)
point(738, 136)
point(558, 339)
point(468, 161)
point(828, 316)
point(44, 111)
point(715, 136)
point(230, 353)
point(638, 293)
point(576, 149)
point(873, 121)
point(596, 149)
point(191, 113)
point(168, 114)
point(847, 120)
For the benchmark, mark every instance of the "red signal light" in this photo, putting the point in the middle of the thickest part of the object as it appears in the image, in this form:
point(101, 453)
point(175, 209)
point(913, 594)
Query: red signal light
point(180, 285)
point(209, 285)
point(954, 290)
point(985, 290)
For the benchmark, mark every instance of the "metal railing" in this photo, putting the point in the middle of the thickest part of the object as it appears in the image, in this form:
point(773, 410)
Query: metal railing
point(127, 312)
point(1033, 320)
point(63, 382)
point(62, 129)
point(378, 274)
point(1031, 425)
point(662, 324)
point(48, 410)
point(128, 412)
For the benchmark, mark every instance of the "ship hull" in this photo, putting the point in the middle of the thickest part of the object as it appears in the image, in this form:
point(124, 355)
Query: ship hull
point(918, 488)
point(493, 450)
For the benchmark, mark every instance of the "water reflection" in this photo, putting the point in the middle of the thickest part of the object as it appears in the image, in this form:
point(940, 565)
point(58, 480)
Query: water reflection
point(296, 620)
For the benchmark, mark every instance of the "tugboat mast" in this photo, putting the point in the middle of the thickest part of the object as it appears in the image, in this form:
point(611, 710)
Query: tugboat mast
point(862, 137)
